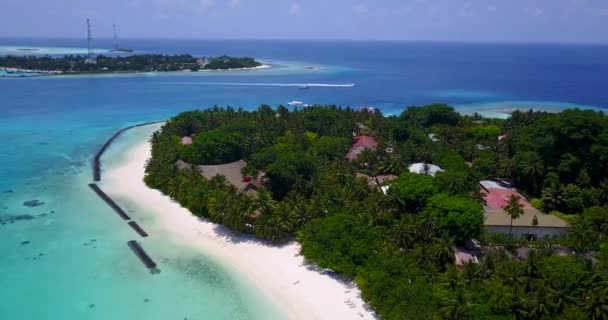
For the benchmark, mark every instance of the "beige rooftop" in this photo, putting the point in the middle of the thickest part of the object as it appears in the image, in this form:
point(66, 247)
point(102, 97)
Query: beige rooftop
point(498, 217)
point(232, 172)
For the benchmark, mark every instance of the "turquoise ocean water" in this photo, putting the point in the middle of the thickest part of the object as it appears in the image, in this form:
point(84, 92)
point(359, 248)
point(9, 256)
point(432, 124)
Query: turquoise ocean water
point(68, 259)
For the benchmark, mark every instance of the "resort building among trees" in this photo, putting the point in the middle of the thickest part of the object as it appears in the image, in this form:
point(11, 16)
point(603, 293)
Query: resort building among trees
point(532, 224)
point(426, 168)
point(186, 141)
point(231, 172)
point(361, 143)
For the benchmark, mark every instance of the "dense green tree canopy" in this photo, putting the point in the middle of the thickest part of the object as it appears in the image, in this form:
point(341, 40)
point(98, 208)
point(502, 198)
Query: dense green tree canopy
point(400, 247)
point(129, 63)
point(412, 191)
point(215, 147)
point(338, 242)
point(431, 115)
point(486, 132)
point(462, 218)
point(551, 151)
point(227, 62)
point(330, 148)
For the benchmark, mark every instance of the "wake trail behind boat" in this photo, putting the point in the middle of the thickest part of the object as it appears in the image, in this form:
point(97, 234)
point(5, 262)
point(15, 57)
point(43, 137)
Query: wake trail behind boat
point(257, 84)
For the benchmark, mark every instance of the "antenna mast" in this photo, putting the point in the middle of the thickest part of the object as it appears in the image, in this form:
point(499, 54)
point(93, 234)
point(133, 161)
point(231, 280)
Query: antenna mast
point(89, 39)
point(115, 38)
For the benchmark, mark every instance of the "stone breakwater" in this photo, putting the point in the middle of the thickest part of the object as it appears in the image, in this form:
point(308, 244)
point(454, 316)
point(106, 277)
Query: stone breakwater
point(134, 245)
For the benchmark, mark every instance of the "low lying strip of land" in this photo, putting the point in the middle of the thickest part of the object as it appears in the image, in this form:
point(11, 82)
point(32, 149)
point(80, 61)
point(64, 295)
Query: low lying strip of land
point(77, 64)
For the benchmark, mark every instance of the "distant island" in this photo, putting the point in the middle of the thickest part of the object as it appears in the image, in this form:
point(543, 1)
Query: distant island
point(74, 64)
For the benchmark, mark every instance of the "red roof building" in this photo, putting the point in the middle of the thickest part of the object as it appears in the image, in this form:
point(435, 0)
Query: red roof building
point(186, 141)
point(496, 194)
point(361, 143)
point(385, 178)
point(497, 198)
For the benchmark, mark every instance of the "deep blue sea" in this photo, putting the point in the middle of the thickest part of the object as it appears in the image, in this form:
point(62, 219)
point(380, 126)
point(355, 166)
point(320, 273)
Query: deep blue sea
point(51, 126)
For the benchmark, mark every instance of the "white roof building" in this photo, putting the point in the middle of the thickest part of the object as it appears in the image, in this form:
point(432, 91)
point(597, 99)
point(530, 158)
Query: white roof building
point(426, 168)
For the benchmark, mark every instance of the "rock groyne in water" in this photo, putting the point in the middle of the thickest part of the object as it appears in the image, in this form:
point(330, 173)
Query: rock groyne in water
point(134, 245)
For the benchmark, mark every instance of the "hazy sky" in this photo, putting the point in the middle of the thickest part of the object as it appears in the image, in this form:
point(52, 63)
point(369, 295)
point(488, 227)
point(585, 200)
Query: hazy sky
point(455, 20)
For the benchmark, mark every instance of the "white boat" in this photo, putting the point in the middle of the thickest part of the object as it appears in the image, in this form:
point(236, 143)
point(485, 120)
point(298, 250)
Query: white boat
point(295, 103)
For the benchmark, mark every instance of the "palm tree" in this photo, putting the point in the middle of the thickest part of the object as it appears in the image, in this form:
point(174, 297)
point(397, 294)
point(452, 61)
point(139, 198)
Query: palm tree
point(425, 152)
point(514, 210)
point(173, 187)
point(454, 182)
point(216, 205)
point(176, 185)
point(360, 189)
point(403, 232)
point(297, 203)
point(421, 253)
point(451, 278)
point(595, 303)
point(520, 308)
point(511, 273)
point(264, 202)
point(532, 167)
point(488, 266)
point(543, 302)
point(392, 164)
point(453, 307)
point(275, 226)
point(502, 297)
point(367, 158)
point(532, 264)
point(395, 200)
point(471, 272)
point(604, 191)
point(155, 137)
point(198, 201)
point(581, 235)
point(302, 185)
point(234, 214)
point(505, 168)
point(447, 135)
point(508, 299)
point(249, 207)
point(426, 227)
point(443, 250)
point(219, 181)
point(316, 207)
point(476, 194)
point(563, 290)
point(552, 198)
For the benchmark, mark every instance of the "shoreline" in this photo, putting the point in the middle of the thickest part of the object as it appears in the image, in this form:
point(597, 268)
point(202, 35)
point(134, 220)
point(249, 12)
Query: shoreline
point(43, 73)
point(297, 289)
point(108, 143)
point(263, 66)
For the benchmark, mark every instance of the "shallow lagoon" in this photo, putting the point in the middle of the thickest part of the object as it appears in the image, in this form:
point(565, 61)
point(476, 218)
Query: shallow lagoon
point(42, 51)
point(19, 74)
point(72, 261)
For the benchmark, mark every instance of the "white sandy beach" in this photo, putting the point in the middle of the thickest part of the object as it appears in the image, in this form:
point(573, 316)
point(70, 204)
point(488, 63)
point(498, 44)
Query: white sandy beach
point(279, 272)
point(263, 66)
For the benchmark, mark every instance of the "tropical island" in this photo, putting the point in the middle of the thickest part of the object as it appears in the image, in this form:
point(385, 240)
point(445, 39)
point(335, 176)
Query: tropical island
point(427, 212)
point(77, 64)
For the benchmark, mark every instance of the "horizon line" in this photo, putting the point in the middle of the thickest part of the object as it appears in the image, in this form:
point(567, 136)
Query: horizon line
point(520, 42)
